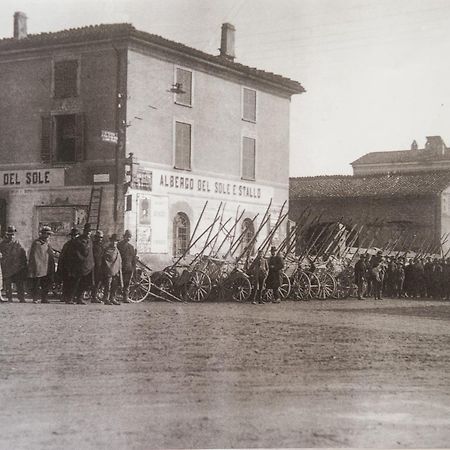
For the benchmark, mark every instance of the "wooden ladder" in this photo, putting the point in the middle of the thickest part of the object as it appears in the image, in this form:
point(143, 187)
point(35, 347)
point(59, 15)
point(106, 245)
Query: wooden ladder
point(95, 204)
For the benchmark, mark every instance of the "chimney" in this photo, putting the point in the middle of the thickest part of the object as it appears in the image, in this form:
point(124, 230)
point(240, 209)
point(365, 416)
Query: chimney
point(227, 41)
point(20, 25)
point(414, 145)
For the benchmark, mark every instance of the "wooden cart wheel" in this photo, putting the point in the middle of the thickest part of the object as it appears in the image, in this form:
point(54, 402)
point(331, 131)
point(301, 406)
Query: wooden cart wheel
point(162, 285)
point(140, 285)
point(284, 289)
point(314, 281)
point(301, 285)
point(327, 285)
point(239, 287)
point(198, 287)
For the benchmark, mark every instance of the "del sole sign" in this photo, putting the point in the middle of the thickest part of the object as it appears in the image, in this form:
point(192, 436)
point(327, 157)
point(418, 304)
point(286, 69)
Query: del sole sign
point(31, 178)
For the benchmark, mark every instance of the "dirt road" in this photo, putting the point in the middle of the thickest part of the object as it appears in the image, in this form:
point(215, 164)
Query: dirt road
point(158, 375)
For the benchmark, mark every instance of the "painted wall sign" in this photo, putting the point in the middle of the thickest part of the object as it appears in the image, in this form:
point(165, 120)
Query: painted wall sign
point(31, 178)
point(165, 182)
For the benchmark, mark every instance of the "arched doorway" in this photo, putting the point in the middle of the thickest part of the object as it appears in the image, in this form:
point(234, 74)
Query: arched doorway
point(181, 233)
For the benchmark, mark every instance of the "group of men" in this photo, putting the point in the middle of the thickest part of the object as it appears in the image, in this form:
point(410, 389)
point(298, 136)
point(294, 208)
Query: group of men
point(85, 264)
point(398, 277)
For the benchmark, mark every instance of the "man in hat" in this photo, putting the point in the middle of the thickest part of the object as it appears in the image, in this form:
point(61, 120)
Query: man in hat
point(112, 271)
point(273, 281)
point(97, 251)
point(128, 254)
point(41, 265)
point(68, 265)
point(360, 275)
point(13, 265)
point(258, 270)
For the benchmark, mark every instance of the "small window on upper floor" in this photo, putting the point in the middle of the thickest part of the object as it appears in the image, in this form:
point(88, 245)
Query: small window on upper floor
point(249, 104)
point(184, 81)
point(65, 78)
point(248, 158)
point(182, 145)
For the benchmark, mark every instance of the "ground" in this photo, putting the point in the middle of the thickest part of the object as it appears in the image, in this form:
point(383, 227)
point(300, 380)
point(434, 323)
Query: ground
point(334, 373)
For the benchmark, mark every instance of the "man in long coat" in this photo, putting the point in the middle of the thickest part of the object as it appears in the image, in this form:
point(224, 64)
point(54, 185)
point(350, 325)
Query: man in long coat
point(97, 251)
point(68, 266)
point(13, 265)
point(128, 254)
point(41, 265)
point(360, 275)
point(273, 281)
point(112, 271)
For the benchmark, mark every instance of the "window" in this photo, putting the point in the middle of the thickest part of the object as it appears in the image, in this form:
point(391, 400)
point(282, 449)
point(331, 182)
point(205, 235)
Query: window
point(184, 80)
point(248, 230)
point(249, 105)
point(182, 146)
point(65, 79)
point(181, 233)
point(62, 138)
point(248, 158)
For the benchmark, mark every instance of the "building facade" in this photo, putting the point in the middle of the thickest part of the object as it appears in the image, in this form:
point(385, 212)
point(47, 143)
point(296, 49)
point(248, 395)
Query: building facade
point(162, 128)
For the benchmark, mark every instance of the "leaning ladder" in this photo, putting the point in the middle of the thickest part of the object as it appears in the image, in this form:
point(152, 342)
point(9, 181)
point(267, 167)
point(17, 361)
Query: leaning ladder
point(95, 204)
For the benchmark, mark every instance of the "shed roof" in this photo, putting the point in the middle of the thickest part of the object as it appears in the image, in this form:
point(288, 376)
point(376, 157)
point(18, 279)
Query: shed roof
point(124, 30)
point(385, 185)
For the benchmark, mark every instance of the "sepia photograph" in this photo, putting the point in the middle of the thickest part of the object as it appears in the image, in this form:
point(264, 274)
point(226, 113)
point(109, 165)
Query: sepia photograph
point(224, 224)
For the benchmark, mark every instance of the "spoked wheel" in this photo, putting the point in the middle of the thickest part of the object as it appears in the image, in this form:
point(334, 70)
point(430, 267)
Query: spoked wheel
point(327, 285)
point(300, 285)
point(140, 285)
point(198, 287)
point(239, 287)
point(284, 289)
point(162, 285)
point(314, 281)
point(344, 287)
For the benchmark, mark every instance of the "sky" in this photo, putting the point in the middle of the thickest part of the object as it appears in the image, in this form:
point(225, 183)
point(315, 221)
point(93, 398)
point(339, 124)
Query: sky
point(376, 72)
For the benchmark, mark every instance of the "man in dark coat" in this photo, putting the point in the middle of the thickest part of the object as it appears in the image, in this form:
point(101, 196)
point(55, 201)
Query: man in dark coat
point(13, 264)
point(258, 271)
point(273, 281)
point(97, 251)
point(41, 265)
point(360, 275)
point(68, 266)
point(128, 254)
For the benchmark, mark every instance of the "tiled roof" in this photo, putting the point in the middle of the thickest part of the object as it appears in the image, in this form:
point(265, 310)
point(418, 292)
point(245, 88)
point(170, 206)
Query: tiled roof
point(401, 156)
point(124, 30)
point(348, 186)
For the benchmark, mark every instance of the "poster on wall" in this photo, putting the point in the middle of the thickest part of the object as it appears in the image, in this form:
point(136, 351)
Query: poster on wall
point(160, 223)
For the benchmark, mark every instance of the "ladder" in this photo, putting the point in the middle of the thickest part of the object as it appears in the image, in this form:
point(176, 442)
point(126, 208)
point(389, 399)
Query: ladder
point(95, 204)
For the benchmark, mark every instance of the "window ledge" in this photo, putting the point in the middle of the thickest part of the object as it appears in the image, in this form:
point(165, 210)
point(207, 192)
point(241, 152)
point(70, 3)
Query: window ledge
point(248, 179)
point(181, 168)
point(248, 120)
point(183, 104)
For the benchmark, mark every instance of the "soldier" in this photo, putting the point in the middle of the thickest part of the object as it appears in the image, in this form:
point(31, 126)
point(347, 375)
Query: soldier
point(128, 254)
point(41, 265)
point(13, 265)
point(258, 271)
point(97, 251)
point(376, 280)
point(68, 266)
point(273, 281)
point(360, 275)
point(112, 270)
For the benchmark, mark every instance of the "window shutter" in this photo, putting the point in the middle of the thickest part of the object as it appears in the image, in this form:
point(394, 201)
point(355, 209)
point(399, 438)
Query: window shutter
point(248, 158)
point(185, 78)
point(46, 140)
point(79, 137)
point(182, 145)
point(249, 105)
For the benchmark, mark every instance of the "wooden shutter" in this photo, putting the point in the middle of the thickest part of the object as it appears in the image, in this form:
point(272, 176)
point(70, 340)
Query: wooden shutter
point(182, 145)
point(46, 140)
point(248, 158)
point(79, 137)
point(184, 77)
point(249, 105)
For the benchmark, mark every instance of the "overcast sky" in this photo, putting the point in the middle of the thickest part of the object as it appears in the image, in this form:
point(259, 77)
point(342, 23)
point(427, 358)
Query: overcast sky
point(377, 72)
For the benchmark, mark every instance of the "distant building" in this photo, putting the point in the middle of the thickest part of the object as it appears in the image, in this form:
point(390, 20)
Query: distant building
point(75, 103)
point(413, 205)
point(434, 156)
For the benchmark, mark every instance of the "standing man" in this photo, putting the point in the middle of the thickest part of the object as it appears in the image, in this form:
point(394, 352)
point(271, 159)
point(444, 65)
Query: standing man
point(258, 271)
point(128, 254)
point(273, 282)
point(41, 265)
point(83, 281)
point(97, 251)
point(112, 271)
point(360, 275)
point(13, 265)
point(68, 266)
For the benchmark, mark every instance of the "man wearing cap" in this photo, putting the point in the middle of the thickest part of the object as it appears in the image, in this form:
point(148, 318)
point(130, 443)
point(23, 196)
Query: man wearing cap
point(68, 264)
point(360, 275)
point(41, 265)
point(97, 251)
point(273, 281)
point(128, 254)
point(112, 271)
point(13, 265)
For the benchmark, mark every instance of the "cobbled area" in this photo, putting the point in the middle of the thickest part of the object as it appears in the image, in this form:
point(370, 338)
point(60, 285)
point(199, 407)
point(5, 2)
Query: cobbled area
point(334, 373)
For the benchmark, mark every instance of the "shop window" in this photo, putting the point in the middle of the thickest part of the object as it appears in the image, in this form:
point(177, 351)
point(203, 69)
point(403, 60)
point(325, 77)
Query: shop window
point(181, 234)
point(184, 80)
point(65, 79)
point(249, 105)
point(62, 138)
point(248, 158)
point(248, 230)
point(182, 145)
